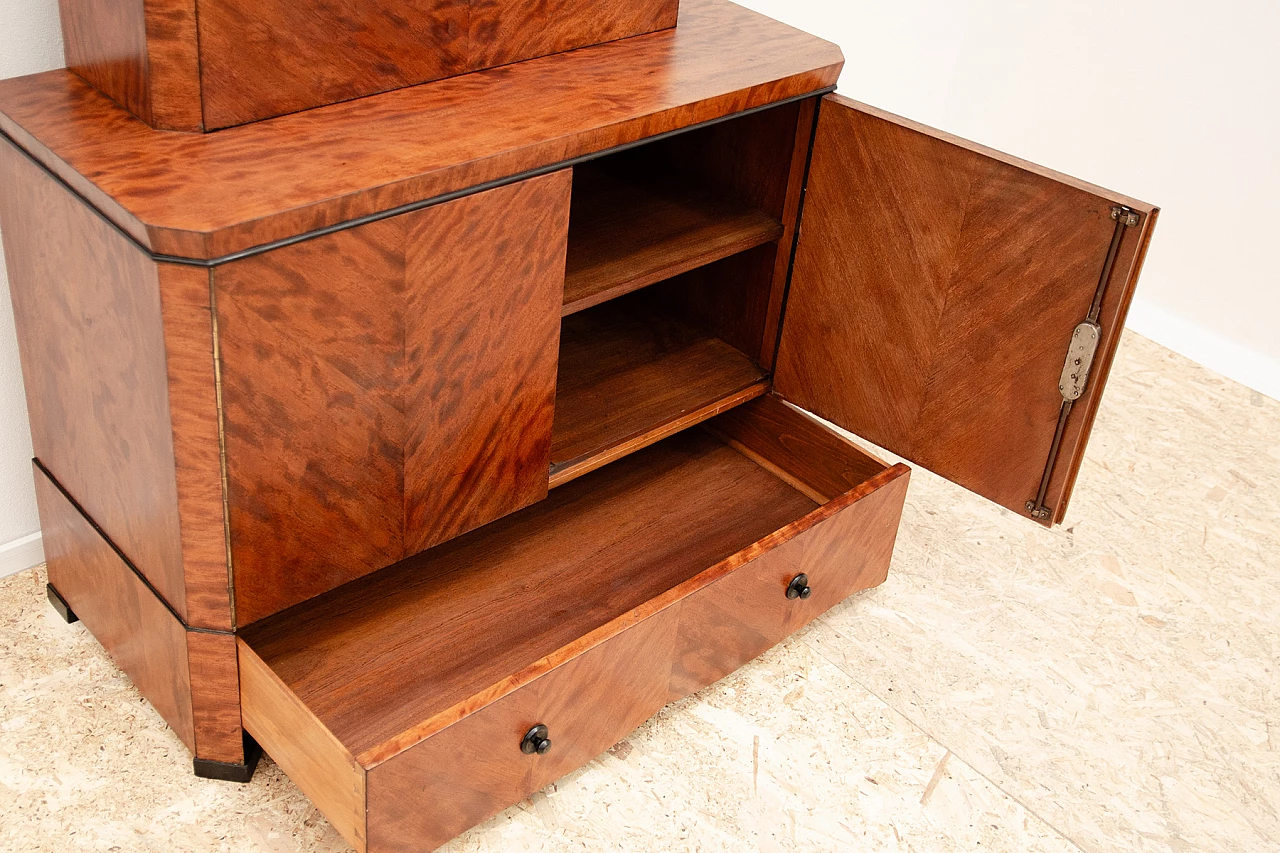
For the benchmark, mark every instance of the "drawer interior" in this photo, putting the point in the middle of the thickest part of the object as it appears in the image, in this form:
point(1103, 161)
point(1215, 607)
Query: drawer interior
point(388, 660)
point(677, 256)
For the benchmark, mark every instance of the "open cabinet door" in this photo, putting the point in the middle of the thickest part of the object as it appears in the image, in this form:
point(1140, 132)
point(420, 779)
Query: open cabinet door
point(939, 288)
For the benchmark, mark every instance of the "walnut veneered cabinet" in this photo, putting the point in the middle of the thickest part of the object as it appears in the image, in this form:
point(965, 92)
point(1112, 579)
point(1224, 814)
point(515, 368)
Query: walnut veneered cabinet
point(436, 439)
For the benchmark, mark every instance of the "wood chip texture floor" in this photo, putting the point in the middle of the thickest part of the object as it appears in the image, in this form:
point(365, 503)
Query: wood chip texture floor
point(1111, 685)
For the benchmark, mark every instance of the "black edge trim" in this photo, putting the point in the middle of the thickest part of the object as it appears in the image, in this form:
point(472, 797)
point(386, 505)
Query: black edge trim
point(412, 206)
point(227, 771)
point(105, 538)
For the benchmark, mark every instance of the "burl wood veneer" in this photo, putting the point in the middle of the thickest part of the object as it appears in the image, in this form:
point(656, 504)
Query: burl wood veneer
point(207, 196)
point(396, 430)
point(406, 395)
point(206, 64)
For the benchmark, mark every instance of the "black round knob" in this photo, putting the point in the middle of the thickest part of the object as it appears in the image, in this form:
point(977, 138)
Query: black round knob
point(799, 587)
point(536, 741)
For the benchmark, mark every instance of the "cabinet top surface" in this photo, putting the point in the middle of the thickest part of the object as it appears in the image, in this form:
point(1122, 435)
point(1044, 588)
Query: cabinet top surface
point(206, 196)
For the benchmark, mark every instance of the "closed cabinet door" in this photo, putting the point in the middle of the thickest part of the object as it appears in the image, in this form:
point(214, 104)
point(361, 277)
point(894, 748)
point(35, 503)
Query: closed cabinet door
point(956, 305)
point(388, 387)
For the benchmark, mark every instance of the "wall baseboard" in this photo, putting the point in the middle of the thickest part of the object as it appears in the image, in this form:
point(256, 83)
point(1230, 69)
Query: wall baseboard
point(1237, 363)
point(21, 554)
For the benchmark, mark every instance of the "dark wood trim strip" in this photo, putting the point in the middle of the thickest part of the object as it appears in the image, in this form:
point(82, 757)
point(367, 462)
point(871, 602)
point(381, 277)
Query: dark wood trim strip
point(412, 206)
point(105, 538)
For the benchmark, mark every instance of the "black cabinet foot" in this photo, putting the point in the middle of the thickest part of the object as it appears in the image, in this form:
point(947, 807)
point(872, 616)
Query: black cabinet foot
point(227, 772)
point(60, 604)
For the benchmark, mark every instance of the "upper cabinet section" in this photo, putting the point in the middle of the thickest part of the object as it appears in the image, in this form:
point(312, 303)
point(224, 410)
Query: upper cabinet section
point(957, 306)
point(206, 64)
point(207, 196)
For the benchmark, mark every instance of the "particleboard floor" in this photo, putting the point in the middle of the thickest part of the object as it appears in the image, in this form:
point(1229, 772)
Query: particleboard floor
point(1113, 685)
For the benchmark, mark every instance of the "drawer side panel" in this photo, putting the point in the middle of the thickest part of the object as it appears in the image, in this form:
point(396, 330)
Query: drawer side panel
point(303, 748)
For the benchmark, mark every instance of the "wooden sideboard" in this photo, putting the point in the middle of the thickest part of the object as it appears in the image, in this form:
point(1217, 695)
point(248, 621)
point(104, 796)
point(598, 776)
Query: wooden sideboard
point(436, 439)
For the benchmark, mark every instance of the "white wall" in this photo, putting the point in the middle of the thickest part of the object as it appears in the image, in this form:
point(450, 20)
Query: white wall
point(30, 41)
point(1174, 102)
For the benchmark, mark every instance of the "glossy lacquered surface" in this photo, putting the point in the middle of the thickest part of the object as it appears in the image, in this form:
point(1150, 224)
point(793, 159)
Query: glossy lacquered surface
point(208, 195)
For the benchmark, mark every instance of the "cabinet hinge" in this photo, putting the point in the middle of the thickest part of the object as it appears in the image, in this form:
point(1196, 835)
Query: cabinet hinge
point(1126, 216)
point(1081, 351)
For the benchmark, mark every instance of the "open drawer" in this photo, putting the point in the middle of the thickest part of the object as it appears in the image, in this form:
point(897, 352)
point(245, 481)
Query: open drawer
point(407, 704)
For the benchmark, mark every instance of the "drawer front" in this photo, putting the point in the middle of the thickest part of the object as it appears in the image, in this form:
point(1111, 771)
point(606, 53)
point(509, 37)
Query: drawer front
point(475, 768)
point(747, 612)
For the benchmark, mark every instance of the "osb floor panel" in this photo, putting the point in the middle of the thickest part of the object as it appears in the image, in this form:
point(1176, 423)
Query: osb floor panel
point(1110, 685)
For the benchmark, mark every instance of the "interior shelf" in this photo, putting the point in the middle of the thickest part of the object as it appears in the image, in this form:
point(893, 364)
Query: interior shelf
point(631, 375)
point(377, 656)
point(625, 234)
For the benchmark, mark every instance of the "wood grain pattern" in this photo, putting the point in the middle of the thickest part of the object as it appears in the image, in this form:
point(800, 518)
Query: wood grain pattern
point(474, 768)
point(628, 234)
point(141, 54)
point(406, 650)
point(173, 61)
point(505, 31)
point(629, 376)
point(105, 42)
point(795, 448)
point(312, 345)
point(383, 662)
point(215, 696)
point(261, 59)
point(935, 290)
point(208, 195)
point(486, 278)
point(134, 627)
point(751, 160)
point(315, 761)
point(187, 316)
point(388, 387)
point(746, 612)
point(90, 332)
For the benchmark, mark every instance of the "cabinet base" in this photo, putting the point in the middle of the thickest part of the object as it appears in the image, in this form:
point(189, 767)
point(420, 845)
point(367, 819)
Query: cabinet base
point(225, 771)
point(60, 605)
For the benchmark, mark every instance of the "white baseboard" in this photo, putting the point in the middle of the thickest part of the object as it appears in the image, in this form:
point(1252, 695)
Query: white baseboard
point(1238, 363)
point(21, 554)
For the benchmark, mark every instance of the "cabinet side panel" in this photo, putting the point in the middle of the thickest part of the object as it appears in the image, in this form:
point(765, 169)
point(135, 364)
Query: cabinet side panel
point(105, 42)
point(173, 56)
point(193, 405)
point(303, 747)
point(134, 627)
point(87, 308)
point(485, 282)
point(311, 341)
point(266, 59)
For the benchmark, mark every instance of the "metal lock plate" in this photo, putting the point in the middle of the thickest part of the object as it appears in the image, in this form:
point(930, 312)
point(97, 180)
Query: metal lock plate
point(1075, 373)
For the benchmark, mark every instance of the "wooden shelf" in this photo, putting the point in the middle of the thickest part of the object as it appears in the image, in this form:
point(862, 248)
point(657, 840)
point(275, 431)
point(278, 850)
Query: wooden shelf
point(630, 376)
point(383, 654)
point(624, 236)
